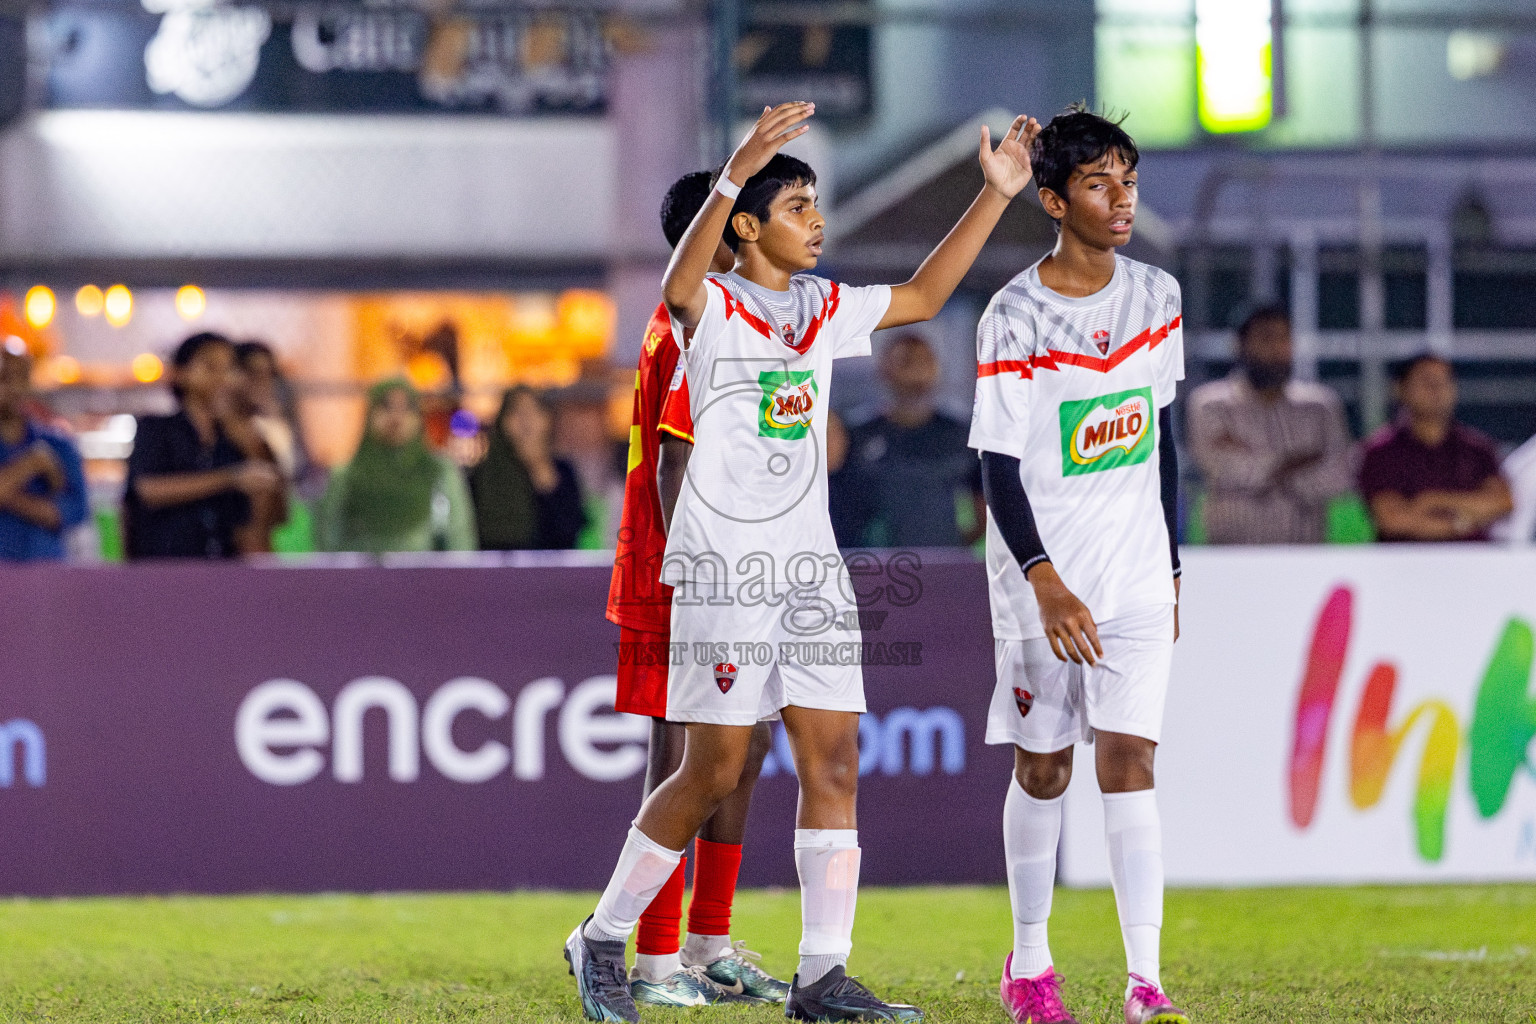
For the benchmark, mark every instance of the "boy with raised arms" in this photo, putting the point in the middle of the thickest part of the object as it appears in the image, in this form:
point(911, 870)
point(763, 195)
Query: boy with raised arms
point(1079, 358)
point(751, 549)
point(709, 968)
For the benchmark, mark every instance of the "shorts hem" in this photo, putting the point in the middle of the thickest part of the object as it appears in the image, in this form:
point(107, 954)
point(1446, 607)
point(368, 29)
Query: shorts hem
point(857, 707)
point(710, 718)
point(1136, 729)
point(624, 707)
point(1030, 746)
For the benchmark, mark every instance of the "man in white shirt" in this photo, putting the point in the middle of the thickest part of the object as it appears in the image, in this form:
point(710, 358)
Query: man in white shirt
point(751, 549)
point(1079, 358)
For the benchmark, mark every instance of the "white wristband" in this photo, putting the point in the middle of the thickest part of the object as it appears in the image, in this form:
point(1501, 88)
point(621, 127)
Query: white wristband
point(728, 188)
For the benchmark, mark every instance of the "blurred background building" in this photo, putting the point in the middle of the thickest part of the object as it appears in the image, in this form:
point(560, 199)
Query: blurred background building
point(467, 193)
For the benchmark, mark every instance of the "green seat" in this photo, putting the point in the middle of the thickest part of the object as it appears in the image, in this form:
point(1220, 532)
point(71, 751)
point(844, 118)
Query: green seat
point(297, 535)
point(591, 536)
point(1349, 521)
point(109, 533)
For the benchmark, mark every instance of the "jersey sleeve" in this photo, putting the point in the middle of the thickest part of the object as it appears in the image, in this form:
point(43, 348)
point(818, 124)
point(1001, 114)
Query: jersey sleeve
point(676, 412)
point(1168, 357)
point(1004, 387)
point(859, 311)
point(694, 342)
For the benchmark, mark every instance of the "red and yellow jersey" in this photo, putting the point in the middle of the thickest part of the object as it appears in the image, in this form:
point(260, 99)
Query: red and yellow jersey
point(636, 596)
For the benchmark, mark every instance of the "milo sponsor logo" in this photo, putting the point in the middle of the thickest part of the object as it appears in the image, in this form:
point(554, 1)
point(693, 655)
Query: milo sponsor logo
point(1106, 432)
point(788, 403)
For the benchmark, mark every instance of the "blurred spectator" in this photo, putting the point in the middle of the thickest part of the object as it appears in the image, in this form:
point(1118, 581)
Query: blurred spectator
point(194, 476)
point(586, 434)
point(845, 501)
point(1273, 450)
point(911, 462)
point(273, 411)
point(1427, 477)
point(42, 484)
point(396, 494)
point(524, 496)
point(1519, 472)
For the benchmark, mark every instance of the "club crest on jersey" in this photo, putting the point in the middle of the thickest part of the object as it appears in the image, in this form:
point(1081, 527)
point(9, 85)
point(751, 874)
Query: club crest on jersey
point(788, 333)
point(1101, 342)
point(725, 676)
point(1106, 432)
point(1024, 699)
point(788, 403)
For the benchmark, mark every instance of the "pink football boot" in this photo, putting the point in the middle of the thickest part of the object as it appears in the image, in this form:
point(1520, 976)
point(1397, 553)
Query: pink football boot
point(1148, 1005)
point(1034, 1000)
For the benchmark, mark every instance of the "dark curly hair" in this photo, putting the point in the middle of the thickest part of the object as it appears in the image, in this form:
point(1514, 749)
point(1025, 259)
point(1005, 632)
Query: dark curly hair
point(757, 195)
point(683, 202)
point(1075, 137)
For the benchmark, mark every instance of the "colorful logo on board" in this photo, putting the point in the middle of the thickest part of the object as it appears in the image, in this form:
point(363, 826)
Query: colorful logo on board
point(1497, 741)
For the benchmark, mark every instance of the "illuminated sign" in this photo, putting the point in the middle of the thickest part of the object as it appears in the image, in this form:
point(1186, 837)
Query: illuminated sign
point(1234, 57)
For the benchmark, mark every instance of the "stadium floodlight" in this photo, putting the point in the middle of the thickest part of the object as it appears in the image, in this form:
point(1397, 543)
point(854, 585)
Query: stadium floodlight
point(1234, 57)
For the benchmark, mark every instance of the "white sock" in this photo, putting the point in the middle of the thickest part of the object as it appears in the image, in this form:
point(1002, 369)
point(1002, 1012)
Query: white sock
point(828, 862)
point(644, 867)
point(701, 949)
point(1031, 833)
point(1134, 833)
point(657, 967)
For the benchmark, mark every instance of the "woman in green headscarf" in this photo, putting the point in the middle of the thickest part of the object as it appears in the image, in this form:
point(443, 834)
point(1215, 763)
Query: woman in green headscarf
point(396, 494)
point(525, 497)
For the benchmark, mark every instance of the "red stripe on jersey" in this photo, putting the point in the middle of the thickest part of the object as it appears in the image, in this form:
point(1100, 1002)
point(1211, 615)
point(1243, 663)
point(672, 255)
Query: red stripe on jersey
point(1052, 358)
point(1019, 366)
point(828, 307)
point(732, 308)
point(763, 327)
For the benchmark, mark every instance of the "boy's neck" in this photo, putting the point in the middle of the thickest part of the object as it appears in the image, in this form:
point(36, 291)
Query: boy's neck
point(752, 265)
point(1075, 268)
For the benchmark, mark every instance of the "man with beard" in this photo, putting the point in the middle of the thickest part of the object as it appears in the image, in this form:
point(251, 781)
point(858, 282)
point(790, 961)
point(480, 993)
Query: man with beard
point(1273, 451)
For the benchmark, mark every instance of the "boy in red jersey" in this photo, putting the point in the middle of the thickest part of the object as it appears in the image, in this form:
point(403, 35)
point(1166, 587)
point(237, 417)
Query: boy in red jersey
point(708, 969)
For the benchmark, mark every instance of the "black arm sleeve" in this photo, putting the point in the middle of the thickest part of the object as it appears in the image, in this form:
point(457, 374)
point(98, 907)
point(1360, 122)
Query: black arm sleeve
point(1168, 472)
point(1009, 507)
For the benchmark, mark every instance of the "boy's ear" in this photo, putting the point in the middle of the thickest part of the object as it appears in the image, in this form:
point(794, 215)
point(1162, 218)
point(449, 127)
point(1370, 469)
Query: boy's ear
point(747, 226)
point(1054, 204)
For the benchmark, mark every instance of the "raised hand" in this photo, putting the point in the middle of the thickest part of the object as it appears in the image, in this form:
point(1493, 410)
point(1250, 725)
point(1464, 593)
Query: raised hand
point(1007, 168)
point(767, 137)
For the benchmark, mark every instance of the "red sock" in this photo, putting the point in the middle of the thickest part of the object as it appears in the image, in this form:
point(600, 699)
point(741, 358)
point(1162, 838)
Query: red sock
point(715, 866)
point(658, 934)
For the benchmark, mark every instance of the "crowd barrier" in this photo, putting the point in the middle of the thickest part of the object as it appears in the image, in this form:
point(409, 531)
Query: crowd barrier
point(1339, 716)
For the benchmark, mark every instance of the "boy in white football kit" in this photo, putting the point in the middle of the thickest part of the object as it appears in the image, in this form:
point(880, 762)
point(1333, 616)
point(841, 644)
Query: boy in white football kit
point(751, 548)
point(1079, 359)
point(751, 551)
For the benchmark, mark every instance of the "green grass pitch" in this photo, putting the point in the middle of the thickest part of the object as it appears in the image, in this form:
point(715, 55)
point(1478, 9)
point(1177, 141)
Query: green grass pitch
point(1442, 954)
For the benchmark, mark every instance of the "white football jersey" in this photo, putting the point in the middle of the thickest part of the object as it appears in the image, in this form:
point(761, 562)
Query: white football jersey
point(1072, 388)
point(754, 500)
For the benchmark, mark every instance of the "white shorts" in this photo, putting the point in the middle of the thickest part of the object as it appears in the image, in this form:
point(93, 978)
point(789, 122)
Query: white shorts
point(739, 664)
point(1044, 704)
